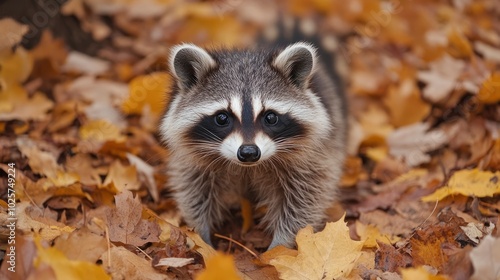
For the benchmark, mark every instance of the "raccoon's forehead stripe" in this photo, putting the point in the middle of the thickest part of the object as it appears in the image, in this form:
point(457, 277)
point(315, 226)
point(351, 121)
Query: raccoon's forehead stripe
point(247, 119)
point(236, 107)
point(257, 106)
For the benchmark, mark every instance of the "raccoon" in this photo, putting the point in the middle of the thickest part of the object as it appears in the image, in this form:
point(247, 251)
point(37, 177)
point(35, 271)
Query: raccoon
point(269, 124)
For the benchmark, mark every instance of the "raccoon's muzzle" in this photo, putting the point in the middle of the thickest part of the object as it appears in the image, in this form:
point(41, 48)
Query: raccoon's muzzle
point(248, 153)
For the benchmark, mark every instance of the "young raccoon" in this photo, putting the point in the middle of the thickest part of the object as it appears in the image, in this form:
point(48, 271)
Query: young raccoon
point(267, 123)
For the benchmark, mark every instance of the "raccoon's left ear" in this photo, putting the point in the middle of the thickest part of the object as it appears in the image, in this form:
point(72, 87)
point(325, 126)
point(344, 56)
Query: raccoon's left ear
point(297, 62)
point(189, 63)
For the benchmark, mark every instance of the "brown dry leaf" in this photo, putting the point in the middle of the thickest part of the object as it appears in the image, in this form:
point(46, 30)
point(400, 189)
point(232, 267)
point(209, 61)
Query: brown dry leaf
point(81, 164)
point(31, 219)
point(217, 266)
point(63, 115)
point(25, 252)
point(11, 33)
point(41, 162)
point(412, 143)
point(124, 264)
point(122, 177)
point(469, 183)
point(146, 174)
point(352, 171)
point(405, 104)
point(490, 89)
point(71, 245)
point(458, 45)
point(375, 123)
point(81, 63)
point(490, 53)
point(24, 108)
point(205, 250)
point(486, 259)
point(125, 222)
point(430, 245)
point(442, 78)
point(50, 54)
point(327, 254)
point(388, 258)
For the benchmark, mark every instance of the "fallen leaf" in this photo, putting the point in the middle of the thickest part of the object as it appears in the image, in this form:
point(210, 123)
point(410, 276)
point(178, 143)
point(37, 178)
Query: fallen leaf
point(441, 79)
point(174, 262)
point(472, 182)
point(475, 231)
point(458, 45)
point(122, 177)
point(327, 254)
point(490, 89)
point(217, 266)
point(490, 53)
point(125, 222)
point(124, 264)
point(13, 36)
point(405, 104)
point(16, 67)
point(71, 245)
point(486, 259)
point(420, 273)
point(100, 130)
point(370, 235)
point(65, 268)
point(148, 90)
point(388, 258)
point(411, 143)
point(205, 250)
point(82, 63)
point(146, 174)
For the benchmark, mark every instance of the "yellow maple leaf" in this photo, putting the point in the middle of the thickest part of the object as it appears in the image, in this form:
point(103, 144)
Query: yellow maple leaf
point(329, 254)
point(147, 90)
point(458, 45)
point(490, 90)
point(122, 177)
point(65, 268)
point(219, 266)
point(469, 183)
point(100, 130)
point(371, 234)
point(420, 273)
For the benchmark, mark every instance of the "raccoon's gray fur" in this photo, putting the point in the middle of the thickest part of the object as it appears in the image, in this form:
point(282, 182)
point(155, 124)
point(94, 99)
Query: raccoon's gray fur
point(266, 124)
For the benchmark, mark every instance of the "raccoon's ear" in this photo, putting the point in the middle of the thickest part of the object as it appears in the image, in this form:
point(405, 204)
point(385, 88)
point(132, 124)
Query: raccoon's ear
point(297, 62)
point(188, 63)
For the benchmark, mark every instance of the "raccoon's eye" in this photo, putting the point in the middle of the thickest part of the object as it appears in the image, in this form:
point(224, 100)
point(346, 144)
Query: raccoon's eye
point(222, 119)
point(271, 118)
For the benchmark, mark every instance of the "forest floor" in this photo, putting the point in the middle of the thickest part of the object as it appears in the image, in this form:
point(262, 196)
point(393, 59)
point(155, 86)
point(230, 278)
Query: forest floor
point(82, 170)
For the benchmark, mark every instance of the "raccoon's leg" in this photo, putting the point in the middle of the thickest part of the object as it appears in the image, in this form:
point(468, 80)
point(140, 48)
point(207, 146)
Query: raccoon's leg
point(199, 199)
point(300, 201)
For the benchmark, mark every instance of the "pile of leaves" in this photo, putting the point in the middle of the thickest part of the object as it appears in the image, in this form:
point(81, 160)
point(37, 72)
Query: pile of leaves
point(421, 185)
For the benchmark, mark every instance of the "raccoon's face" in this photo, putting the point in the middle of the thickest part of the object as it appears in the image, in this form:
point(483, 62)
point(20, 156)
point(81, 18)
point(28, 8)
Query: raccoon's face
point(244, 107)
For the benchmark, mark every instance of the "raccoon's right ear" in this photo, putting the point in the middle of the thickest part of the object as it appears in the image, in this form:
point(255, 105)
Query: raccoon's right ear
point(188, 63)
point(297, 62)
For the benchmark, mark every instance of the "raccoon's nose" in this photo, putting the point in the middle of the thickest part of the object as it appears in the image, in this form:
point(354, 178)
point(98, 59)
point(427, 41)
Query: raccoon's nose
point(248, 153)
